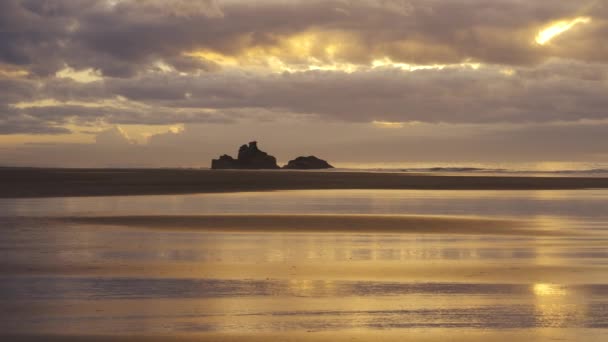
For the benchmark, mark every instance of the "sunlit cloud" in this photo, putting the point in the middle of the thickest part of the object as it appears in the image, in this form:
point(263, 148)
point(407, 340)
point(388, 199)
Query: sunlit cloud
point(507, 72)
point(150, 67)
point(82, 76)
point(142, 133)
point(13, 72)
point(388, 124)
point(257, 59)
point(321, 50)
point(558, 28)
point(117, 103)
point(114, 136)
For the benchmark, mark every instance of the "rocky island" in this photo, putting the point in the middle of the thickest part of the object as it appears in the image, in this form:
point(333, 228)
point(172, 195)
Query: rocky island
point(249, 157)
point(308, 163)
point(252, 158)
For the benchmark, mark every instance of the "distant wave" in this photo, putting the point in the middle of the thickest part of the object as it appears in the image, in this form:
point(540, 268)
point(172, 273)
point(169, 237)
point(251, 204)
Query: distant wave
point(479, 170)
point(453, 169)
point(583, 171)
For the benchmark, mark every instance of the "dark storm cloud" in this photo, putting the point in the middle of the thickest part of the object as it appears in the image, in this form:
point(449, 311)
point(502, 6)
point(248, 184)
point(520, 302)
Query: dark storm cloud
point(85, 115)
point(13, 122)
point(34, 34)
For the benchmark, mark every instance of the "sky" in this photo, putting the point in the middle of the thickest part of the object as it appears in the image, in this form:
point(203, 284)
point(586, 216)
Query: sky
point(174, 83)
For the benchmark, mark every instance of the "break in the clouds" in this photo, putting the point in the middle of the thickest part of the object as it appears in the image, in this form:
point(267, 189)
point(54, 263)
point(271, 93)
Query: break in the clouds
point(68, 67)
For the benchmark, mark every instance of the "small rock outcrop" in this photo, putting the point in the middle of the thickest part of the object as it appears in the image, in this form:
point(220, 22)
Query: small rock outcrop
point(250, 157)
point(307, 163)
point(224, 162)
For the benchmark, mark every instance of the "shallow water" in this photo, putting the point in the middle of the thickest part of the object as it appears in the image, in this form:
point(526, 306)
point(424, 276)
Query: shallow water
point(84, 279)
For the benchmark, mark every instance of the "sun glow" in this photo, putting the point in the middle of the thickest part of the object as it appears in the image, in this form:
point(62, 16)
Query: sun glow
point(542, 289)
point(388, 124)
point(314, 51)
point(82, 76)
point(12, 72)
point(279, 64)
point(117, 103)
point(557, 28)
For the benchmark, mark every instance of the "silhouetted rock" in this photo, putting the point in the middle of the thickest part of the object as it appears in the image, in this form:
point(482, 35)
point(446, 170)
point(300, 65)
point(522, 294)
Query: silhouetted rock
point(250, 157)
point(224, 162)
point(307, 163)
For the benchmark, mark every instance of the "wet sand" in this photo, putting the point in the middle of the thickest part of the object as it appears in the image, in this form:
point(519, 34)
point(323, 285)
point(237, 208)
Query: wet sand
point(301, 266)
point(414, 336)
point(416, 271)
point(396, 224)
point(34, 182)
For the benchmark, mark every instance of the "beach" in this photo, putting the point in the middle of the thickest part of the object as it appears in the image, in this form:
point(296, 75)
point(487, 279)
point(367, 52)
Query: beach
point(41, 182)
point(331, 171)
point(307, 265)
point(320, 224)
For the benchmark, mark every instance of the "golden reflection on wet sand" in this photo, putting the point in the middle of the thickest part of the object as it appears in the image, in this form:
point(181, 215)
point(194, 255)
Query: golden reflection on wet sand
point(82, 279)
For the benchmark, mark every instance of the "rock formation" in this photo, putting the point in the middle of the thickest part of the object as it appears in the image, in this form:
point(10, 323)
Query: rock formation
point(307, 163)
point(250, 157)
point(224, 162)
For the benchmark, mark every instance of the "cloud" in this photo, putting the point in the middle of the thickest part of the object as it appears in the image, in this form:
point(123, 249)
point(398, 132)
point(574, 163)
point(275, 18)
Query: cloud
point(20, 124)
point(243, 65)
point(113, 136)
point(556, 91)
point(131, 36)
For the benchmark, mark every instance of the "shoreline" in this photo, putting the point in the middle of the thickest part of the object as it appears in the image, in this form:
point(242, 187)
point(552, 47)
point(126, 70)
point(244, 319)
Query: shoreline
point(52, 182)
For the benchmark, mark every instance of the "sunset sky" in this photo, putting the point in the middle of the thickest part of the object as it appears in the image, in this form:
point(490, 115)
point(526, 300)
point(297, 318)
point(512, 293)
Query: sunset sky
point(360, 83)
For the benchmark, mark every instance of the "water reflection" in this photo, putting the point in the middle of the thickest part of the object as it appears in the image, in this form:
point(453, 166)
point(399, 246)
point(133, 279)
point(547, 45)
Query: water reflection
point(546, 290)
point(262, 305)
point(548, 203)
point(86, 279)
point(79, 288)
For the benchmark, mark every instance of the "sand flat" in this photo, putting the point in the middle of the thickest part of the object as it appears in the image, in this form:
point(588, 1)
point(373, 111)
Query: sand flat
point(299, 266)
point(403, 224)
point(34, 182)
point(443, 271)
point(417, 335)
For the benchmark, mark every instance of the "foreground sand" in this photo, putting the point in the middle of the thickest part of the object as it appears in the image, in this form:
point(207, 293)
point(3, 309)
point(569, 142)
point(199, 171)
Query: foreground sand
point(413, 335)
point(72, 274)
point(244, 278)
point(404, 224)
point(32, 182)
